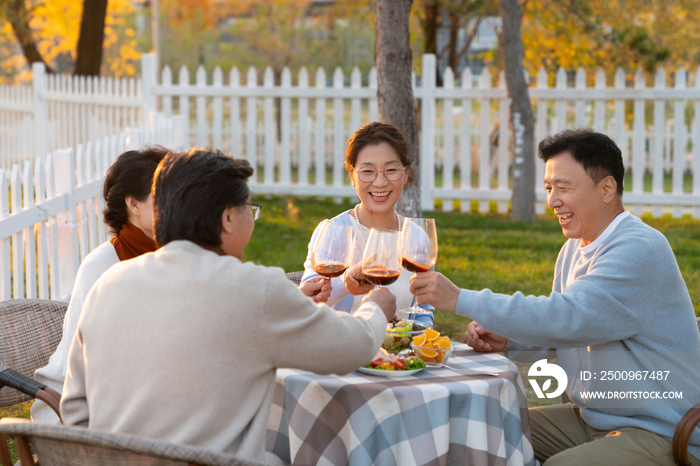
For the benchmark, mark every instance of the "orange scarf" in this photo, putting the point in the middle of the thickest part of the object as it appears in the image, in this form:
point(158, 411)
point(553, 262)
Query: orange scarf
point(132, 242)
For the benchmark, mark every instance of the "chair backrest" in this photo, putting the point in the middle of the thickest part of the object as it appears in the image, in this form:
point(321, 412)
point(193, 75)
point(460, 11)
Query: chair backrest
point(30, 331)
point(295, 277)
point(58, 445)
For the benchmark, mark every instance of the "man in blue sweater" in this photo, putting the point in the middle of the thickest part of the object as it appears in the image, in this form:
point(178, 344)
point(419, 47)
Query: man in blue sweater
point(619, 320)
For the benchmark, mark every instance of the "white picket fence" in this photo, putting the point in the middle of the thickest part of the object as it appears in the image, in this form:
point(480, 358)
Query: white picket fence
point(59, 111)
point(52, 217)
point(462, 158)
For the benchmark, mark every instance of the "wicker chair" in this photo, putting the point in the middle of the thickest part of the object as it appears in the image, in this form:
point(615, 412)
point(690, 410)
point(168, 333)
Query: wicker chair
point(57, 445)
point(295, 277)
point(30, 330)
point(684, 429)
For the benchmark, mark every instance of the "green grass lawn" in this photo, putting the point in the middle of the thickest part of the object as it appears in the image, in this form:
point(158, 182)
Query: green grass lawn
point(476, 251)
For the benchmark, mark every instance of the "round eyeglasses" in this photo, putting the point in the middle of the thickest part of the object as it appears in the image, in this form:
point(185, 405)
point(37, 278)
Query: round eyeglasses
point(369, 174)
point(255, 208)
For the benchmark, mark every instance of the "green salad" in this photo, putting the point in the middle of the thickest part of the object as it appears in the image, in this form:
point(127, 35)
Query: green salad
point(397, 337)
point(400, 364)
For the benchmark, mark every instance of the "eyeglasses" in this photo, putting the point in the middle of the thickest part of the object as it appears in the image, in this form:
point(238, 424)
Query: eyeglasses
point(256, 208)
point(369, 174)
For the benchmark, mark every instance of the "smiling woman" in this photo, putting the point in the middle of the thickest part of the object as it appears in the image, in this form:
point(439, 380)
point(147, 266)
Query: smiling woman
point(377, 161)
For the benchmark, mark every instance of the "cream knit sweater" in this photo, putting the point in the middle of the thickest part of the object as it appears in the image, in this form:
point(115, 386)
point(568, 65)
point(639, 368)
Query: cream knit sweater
point(182, 345)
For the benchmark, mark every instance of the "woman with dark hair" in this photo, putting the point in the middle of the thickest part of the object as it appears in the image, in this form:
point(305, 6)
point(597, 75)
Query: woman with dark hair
point(129, 215)
point(183, 345)
point(378, 160)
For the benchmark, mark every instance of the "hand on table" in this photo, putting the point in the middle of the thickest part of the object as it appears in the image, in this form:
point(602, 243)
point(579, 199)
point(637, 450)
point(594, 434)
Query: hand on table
point(317, 288)
point(385, 299)
point(354, 287)
point(483, 340)
point(435, 289)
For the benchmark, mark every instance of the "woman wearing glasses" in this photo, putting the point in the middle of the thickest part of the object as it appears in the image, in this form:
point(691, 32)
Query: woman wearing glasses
point(377, 160)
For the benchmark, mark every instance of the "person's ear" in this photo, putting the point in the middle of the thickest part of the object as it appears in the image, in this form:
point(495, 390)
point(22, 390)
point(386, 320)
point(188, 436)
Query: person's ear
point(608, 185)
point(228, 219)
point(133, 205)
point(352, 177)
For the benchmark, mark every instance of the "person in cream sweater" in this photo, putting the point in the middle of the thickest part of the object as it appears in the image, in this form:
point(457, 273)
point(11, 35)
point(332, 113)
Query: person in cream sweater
point(182, 345)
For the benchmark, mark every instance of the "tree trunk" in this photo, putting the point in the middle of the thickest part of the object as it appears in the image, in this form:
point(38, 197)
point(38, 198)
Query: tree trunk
point(452, 58)
point(393, 57)
point(92, 27)
point(523, 200)
point(429, 25)
point(17, 17)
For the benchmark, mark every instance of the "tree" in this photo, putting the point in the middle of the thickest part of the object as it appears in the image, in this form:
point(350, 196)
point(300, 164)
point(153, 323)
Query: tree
point(67, 35)
point(523, 197)
point(600, 33)
point(394, 60)
point(17, 16)
point(88, 59)
point(461, 15)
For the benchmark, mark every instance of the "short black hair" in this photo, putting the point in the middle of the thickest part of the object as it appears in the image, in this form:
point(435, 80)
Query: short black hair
point(131, 175)
point(598, 154)
point(190, 192)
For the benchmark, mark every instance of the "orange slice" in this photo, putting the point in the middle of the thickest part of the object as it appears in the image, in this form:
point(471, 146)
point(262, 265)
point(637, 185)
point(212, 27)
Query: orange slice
point(419, 340)
point(431, 334)
point(440, 356)
point(443, 342)
point(426, 354)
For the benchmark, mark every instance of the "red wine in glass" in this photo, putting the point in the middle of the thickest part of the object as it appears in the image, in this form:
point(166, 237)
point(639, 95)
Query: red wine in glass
point(414, 266)
point(331, 252)
point(357, 274)
point(330, 269)
point(381, 276)
point(419, 248)
point(381, 261)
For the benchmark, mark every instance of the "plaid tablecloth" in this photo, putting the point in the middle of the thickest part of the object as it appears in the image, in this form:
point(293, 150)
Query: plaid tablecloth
point(438, 416)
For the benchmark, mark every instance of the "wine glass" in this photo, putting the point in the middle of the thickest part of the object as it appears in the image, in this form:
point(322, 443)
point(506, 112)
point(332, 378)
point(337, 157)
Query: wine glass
point(419, 249)
point(381, 261)
point(331, 253)
point(357, 250)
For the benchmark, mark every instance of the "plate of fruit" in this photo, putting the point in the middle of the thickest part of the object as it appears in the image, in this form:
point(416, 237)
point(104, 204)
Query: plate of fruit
point(386, 364)
point(432, 347)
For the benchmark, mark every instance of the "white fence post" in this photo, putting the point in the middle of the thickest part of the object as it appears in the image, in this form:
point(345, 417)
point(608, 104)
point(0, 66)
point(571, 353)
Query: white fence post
point(465, 141)
point(218, 121)
point(680, 139)
point(270, 133)
point(285, 160)
point(427, 154)
point(201, 83)
point(658, 150)
point(304, 129)
point(696, 147)
point(40, 126)
point(320, 143)
point(5, 280)
point(17, 238)
point(250, 120)
point(485, 146)
point(69, 252)
point(28, 235)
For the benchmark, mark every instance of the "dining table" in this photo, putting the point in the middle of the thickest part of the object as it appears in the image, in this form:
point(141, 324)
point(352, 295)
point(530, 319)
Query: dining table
point(447, 415)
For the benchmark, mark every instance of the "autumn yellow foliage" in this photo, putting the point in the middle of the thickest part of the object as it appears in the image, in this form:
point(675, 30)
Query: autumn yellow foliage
point(55, 26)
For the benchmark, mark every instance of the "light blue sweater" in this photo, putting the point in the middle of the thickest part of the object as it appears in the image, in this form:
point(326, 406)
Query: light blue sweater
point(625, 307)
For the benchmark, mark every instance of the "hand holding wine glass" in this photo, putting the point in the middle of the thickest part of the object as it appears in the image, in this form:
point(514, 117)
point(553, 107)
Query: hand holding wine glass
point(381, 262)
point(331, 253)
point(355, 281)
point(419, 248)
